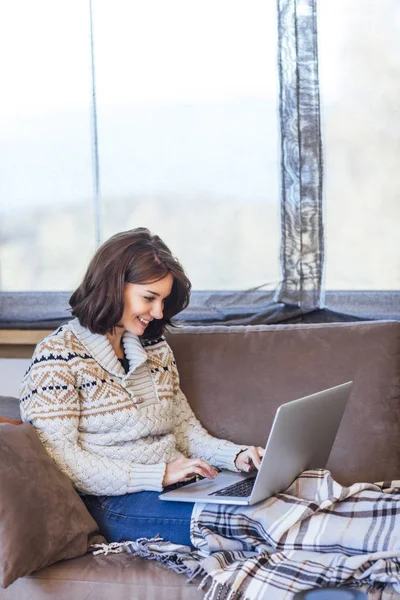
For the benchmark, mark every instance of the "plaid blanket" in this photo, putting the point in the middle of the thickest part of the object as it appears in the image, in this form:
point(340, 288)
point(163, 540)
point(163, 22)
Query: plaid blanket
point(317, 533)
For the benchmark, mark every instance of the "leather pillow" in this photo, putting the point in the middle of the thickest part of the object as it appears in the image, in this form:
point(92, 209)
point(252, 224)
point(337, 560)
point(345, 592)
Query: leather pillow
point(42, 518)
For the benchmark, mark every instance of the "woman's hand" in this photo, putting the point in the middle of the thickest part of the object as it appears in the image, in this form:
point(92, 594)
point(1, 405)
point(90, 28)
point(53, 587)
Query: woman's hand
point(249, 459)
point(183, 467)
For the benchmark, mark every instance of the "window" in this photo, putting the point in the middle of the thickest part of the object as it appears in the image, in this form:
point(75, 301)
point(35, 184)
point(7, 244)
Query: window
point(359, 59)
point(187, 129)
point(165, 114)
point(47, 231)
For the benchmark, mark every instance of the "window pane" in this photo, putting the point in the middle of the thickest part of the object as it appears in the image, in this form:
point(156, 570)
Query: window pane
point(188, 136)
point(359, 49)
point(47, 229)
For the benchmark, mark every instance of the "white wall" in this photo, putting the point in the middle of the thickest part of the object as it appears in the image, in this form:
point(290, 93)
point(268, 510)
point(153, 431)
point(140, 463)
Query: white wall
point(11, 372)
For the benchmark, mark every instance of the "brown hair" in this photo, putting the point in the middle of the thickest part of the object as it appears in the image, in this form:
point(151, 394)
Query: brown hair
point(134, 256)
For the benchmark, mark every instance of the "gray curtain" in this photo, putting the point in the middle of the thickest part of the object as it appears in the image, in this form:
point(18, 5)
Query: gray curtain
point(302, 241)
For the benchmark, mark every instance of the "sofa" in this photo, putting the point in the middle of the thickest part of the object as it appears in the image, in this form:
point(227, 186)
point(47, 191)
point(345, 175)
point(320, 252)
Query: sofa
point(235, 378)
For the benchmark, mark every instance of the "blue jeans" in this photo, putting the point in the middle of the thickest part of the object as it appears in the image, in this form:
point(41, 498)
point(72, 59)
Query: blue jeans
point(141, 514)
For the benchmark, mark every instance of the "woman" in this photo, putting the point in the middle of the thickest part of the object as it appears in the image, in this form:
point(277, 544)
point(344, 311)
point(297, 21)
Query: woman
point(103, 394)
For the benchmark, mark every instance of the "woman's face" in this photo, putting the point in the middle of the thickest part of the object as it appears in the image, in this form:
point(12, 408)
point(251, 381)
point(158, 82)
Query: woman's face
point(144, 302)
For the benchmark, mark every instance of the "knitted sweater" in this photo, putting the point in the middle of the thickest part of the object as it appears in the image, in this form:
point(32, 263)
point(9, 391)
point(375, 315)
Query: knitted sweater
point(88, 414)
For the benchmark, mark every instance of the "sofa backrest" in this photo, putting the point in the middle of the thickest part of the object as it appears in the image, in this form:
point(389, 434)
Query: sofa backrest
point(236, 377)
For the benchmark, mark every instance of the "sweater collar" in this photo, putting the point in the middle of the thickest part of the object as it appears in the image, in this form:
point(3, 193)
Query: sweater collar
point(100, 348)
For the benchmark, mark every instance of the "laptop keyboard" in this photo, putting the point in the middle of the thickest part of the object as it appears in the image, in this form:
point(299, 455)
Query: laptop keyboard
point(240, 489)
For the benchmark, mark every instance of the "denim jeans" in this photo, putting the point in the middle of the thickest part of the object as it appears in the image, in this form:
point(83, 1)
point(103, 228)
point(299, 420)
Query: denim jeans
point(141, 514)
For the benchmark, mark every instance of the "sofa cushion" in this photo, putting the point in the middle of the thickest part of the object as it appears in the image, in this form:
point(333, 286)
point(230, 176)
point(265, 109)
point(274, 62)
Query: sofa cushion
point(42, 518)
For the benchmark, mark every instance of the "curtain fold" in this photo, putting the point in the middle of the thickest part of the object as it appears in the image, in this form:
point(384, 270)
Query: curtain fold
point(302, 234)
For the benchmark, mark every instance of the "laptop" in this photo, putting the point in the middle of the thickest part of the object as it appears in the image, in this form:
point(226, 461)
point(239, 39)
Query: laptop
point(301, 438)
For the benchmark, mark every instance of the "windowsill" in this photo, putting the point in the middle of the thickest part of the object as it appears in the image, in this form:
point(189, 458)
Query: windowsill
point(17, 337)
point(20, 343)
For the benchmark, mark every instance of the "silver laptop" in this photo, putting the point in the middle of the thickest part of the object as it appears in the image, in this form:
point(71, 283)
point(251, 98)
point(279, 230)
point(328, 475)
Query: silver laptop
point(301, 438)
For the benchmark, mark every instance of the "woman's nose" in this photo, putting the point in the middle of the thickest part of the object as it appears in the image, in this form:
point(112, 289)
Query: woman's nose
point(157, 311)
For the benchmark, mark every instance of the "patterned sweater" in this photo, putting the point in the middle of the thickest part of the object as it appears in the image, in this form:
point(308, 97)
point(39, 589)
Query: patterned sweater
point(91, 420)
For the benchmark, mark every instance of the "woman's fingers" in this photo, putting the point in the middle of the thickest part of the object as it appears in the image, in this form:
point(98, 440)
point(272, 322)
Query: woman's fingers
point(201, 467)
point(256, 455)
point(197, 466)
point(253, 457)
point(197, 471)
point(181, 468)
point(208, 468)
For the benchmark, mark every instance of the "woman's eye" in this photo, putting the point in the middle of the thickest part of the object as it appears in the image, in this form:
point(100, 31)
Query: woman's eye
point(149, 298)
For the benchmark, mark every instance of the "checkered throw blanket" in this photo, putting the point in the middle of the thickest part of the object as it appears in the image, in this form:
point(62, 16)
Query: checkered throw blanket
point(317, 533)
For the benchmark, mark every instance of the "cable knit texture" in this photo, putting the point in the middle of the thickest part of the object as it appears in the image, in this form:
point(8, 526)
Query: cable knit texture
point(113, 432)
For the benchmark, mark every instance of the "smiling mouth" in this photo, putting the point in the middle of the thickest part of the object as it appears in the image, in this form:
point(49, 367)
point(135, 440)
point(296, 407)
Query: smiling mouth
point(143, 321)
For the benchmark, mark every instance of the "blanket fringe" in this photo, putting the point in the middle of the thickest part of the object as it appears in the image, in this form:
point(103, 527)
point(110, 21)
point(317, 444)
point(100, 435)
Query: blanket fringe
point(113, 548)
point(196, 572)
point(132, 547)
point(219, 591)
point(203, 583)
point(181, 559)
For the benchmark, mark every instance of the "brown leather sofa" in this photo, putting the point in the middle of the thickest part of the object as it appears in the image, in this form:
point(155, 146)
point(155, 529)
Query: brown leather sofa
point(235, 378)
